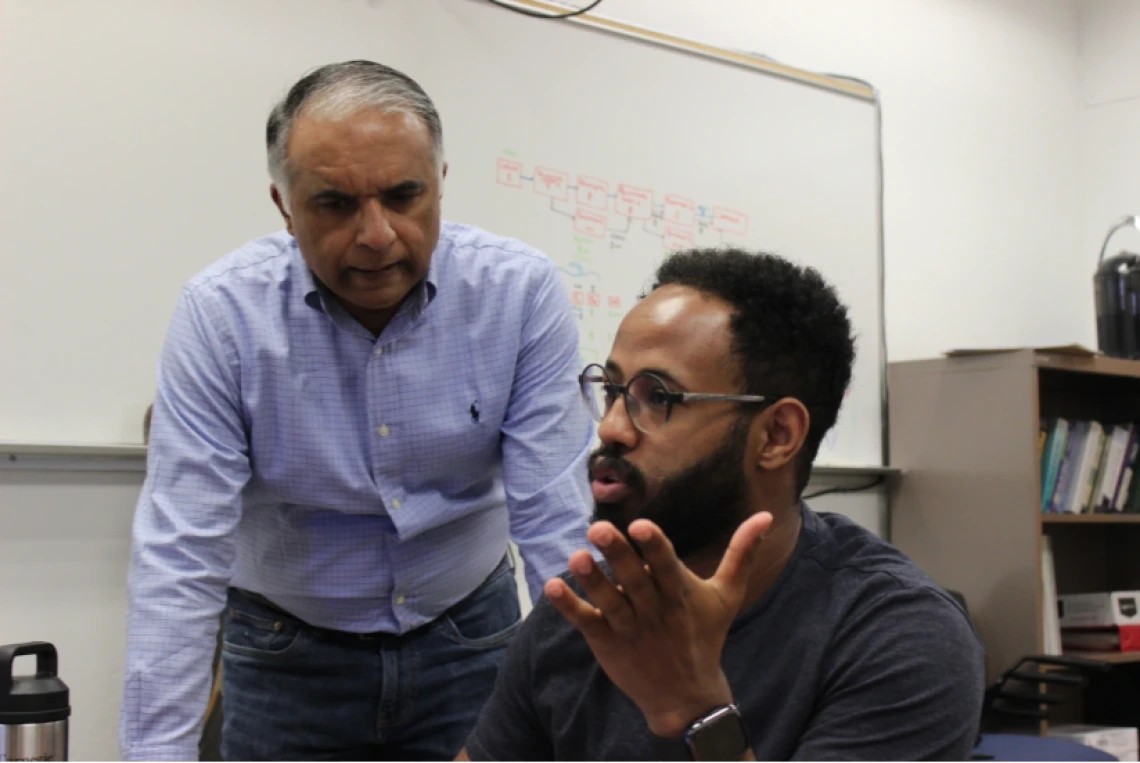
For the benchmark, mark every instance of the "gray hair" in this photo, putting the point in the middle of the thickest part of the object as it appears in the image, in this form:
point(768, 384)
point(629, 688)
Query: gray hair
point(338, 90)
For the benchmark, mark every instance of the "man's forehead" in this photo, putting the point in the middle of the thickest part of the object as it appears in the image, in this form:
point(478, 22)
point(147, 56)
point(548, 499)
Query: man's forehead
point(366, 132)
point(678, 329)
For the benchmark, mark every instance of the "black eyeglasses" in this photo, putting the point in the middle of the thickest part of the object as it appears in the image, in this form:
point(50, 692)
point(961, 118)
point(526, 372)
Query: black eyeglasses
point(648, 399)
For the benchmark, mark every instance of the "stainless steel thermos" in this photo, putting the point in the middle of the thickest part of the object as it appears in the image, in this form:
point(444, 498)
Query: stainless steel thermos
point(33, 709)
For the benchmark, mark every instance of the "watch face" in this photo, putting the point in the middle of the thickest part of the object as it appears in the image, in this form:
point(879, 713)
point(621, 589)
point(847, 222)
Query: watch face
point(718, 736)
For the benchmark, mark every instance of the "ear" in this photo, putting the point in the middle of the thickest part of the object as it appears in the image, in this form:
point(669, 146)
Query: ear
point(276, 196)
point(779, 433)
point(442, 177)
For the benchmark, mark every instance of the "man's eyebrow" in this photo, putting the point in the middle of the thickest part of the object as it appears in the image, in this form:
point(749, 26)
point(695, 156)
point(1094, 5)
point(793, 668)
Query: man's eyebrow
point(331, 194)
point(405, 187)
point(664, 375)
point(401, 188)
point(660, 373)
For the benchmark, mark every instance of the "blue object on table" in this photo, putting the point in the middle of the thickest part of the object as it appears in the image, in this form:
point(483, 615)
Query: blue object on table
point(1026, 747)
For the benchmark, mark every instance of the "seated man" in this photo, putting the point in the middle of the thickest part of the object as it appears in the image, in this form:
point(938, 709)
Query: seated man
point(729, 619)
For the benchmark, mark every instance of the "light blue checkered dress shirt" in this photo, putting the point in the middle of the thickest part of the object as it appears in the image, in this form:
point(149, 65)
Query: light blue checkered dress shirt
point(361, 483)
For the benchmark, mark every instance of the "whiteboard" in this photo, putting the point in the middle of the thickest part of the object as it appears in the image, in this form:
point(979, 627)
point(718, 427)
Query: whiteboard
point(132, 156)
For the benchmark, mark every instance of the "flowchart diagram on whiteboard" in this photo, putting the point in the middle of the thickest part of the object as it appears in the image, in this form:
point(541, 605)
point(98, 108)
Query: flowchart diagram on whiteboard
point(620, 231)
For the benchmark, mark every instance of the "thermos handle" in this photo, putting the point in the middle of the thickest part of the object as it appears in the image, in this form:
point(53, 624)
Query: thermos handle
point(1124, 222)
point(47, 661)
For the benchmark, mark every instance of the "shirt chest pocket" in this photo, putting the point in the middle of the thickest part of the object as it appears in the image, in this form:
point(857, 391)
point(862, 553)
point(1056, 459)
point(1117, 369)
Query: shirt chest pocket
point(452, 428)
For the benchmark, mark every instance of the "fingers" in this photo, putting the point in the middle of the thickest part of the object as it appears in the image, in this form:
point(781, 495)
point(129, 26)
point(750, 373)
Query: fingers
point(601, 591)
point(577, 612)
point(614, 605)
point(667, 570)
point(626, 566)
point(743, 550)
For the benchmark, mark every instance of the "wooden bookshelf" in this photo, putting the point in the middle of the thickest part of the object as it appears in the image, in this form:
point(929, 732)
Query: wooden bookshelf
point(1113, 657)
point(1090, 364)
point(1090, 519)
point(964, 430)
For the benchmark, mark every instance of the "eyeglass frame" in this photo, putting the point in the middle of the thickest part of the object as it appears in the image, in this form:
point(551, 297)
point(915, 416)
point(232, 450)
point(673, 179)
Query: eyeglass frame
point(671, 398)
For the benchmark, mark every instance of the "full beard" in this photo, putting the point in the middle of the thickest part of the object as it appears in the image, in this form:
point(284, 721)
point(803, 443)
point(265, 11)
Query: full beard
point(698, 509)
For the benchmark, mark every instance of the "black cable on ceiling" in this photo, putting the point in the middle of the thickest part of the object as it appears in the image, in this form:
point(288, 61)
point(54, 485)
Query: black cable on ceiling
point(540, 15)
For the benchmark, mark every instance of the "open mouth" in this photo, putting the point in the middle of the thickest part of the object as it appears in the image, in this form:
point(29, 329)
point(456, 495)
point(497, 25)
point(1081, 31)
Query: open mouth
point(607, 485)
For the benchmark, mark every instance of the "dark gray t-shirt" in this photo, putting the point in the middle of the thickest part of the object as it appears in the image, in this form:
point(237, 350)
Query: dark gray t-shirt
point(853, 654)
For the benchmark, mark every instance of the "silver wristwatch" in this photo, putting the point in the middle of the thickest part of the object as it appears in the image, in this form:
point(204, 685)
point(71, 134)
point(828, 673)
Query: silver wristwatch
point(718, 735)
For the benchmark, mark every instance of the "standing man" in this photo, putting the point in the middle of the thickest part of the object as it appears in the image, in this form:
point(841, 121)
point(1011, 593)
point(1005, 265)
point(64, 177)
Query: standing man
point(352, 417)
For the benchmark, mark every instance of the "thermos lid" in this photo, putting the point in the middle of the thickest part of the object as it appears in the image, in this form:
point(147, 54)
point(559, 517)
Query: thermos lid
point(1122, 262)
point(41, 698)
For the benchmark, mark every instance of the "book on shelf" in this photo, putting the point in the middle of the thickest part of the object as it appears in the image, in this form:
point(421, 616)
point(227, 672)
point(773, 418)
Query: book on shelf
point(1117, 446)
point(1066, 484)
point(1086, 470)
point(1055, 443)
point(1099, 609)
point(1129, 471)
point(1110, 638)
point(1088, 466)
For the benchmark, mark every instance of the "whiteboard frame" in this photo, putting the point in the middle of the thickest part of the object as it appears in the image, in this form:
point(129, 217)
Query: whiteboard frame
point(56, 457)
point(843, 85)
point(846, 86)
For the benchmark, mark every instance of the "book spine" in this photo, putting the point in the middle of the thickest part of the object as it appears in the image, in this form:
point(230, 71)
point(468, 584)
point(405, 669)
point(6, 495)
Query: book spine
point(1128, 471)
point(1123, 438)
point(1055, 452)
point(1073, 448)
point(1108, 472)
point(1079, 497)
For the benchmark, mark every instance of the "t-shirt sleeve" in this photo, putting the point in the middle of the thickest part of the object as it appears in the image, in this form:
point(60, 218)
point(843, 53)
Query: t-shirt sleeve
point(508, 727)
point(905, 681)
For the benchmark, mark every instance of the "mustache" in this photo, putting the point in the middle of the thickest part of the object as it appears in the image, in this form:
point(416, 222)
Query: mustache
point(609, 459)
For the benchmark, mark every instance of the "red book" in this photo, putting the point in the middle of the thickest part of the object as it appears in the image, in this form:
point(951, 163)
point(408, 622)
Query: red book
point(1112, 638)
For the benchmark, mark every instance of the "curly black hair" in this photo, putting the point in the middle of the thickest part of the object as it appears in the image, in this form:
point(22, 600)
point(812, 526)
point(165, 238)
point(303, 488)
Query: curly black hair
point(790, 331)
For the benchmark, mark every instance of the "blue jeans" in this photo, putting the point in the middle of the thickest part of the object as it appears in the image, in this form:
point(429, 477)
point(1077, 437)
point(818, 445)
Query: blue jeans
point(295, 692)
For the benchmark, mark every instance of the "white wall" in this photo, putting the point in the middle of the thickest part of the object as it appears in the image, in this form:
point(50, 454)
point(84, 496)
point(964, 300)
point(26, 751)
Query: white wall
point(980, 123)
point(981, 107)
point(64, 546)
point(1109, 124)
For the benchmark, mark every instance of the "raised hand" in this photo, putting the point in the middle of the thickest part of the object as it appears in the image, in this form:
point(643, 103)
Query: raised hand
point(657, 629)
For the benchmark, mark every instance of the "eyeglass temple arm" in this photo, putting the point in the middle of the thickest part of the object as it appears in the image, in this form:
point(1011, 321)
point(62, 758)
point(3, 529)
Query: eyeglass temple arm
point(699, 396)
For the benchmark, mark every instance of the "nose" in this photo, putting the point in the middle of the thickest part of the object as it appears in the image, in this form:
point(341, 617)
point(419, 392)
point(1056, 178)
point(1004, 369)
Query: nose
point(616, 427)
point(374, 229)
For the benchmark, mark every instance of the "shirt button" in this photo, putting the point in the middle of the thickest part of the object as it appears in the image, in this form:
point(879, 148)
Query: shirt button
point(397, 504)
point(378, 351)
point(400, 601)
point(383, 431)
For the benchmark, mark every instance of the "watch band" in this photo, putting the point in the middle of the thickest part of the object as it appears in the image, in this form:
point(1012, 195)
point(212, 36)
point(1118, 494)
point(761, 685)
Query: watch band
point(717, 735)
point(662, 748)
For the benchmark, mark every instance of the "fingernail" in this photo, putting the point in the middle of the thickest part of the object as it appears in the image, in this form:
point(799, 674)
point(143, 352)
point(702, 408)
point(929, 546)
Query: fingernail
point(604, 540)
point(582, 566)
